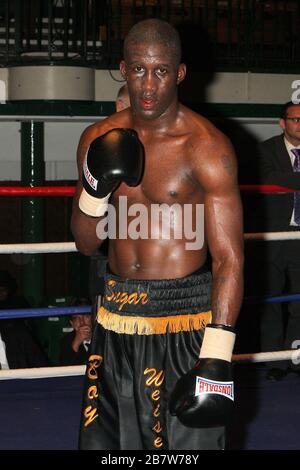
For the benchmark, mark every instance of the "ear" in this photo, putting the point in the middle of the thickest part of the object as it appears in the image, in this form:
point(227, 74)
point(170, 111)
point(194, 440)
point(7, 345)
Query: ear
point(282, 124)
point(181, 73)
point(123, 69)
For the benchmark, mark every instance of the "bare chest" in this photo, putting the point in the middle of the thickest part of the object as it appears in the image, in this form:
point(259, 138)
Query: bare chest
point(167, 178)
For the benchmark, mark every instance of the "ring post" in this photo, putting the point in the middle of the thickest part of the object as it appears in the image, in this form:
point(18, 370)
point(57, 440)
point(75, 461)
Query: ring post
point(32, 174)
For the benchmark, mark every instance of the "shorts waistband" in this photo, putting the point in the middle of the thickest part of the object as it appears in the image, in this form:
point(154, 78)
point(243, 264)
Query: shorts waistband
point(157, 298)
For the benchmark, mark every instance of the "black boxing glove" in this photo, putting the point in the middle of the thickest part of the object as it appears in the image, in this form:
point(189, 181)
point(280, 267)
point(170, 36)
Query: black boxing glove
point(204, 396)
point(114, 157)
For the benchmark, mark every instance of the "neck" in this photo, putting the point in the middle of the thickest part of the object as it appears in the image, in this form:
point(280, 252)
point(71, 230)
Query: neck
point(295, 142)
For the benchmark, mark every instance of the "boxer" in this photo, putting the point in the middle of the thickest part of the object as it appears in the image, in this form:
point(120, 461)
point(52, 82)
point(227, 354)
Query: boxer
point(159, 373)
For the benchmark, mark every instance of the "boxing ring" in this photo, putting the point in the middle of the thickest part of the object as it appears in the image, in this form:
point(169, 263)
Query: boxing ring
point(40, 408)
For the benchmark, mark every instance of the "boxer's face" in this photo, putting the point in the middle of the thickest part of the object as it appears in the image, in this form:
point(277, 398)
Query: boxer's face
point(290, 125)
point(152, 78)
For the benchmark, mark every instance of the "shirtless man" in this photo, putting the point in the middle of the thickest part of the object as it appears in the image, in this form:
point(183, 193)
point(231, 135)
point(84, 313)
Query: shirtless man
point(159, 374)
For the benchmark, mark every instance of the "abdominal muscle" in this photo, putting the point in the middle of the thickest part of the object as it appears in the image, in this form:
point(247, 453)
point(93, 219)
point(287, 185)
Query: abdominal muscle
point(153, 259)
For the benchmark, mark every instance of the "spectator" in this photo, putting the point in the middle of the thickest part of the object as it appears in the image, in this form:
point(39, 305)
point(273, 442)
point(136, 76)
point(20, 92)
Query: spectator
point(280, 165)
point(75, 345)
point(18, 348)
point(8, 292)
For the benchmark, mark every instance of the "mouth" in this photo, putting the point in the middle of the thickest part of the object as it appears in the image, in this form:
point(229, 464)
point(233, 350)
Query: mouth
point(148, 103)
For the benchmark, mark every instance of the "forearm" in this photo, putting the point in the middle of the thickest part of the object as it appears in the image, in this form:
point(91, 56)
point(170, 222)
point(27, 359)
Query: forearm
point(227, 290)
point(192, 400)
point(84, 228)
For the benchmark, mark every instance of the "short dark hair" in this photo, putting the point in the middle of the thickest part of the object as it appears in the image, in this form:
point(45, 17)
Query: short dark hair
point(155, 31)
point(285, 108)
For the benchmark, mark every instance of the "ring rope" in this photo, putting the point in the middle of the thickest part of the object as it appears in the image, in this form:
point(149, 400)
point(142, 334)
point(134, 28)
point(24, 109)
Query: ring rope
point(272, 236)
point(287, 355)
point(270, 300)
point(44, 312)
point(69, 191)
point(41, 372)
point(37, 191)
point(266, 189)
point(55, 247)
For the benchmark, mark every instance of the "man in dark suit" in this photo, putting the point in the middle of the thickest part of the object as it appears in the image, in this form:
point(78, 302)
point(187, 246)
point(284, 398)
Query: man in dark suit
point(279, 164)
point(18, 347)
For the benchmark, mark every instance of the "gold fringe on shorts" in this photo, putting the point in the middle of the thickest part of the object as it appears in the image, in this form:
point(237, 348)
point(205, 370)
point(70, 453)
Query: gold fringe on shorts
point(152, 325)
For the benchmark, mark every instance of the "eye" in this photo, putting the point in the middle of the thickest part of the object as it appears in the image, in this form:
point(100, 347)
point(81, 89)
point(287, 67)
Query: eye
point(295, 120)
point(138, 68)
point(162, 70)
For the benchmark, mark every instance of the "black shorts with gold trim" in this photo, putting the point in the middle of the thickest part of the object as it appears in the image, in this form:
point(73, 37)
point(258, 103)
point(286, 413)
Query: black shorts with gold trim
point(148, 333)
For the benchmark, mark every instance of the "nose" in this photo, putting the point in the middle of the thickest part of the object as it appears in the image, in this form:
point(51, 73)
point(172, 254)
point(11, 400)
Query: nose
point(149, 84)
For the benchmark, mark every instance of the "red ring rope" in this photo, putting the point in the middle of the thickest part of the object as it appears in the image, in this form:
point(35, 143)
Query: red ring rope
point(69, 190)
point(37, 191)
point(266, 189)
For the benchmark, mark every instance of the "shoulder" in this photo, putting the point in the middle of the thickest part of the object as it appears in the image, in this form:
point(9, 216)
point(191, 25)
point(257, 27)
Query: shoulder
point(271, 144)
point(211, 154)
point(204, 135)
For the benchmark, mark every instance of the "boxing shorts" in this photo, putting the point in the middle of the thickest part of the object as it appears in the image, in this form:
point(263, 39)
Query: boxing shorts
point(148, 333)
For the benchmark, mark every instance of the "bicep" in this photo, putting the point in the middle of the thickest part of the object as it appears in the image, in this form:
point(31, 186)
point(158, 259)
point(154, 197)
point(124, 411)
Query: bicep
point(222, 206)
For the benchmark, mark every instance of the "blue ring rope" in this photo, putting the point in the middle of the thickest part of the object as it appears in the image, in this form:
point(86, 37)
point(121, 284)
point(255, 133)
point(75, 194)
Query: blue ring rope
point(271, 300)
point(44, 312)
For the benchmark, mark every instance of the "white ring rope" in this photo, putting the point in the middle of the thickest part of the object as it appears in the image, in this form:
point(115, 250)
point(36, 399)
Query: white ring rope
point(67, 371)
point(69, 247)
point(41, 372)
point(288, 355)
point(60, 247)
point(272, 236)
